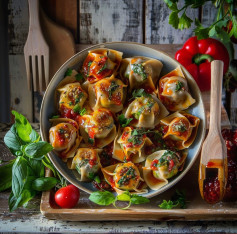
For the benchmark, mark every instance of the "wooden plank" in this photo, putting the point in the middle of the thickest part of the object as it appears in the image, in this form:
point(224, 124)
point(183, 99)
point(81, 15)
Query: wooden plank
point(18, 25)
point(21, 97)
point(63, 13)
point(209, 13)
point(158, 29)
point(111, 20)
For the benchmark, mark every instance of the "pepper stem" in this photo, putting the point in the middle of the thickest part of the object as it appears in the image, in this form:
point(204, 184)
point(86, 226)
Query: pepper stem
point(200, 58)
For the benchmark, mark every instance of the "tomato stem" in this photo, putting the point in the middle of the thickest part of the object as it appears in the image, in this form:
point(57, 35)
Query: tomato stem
point(201, 58)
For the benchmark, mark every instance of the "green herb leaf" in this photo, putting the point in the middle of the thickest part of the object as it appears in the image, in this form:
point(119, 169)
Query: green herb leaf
point(34, 136)
point(79, 77)
point(184, 22)
point(178, 199)
point(125, 196)
point(23, 127)
point(77, 109)
point(97, 179)
point(140, 93)
point(174, 19)
point(55, 117)
point(68, 72)
point(179, 86)
point(91, 141)
point(37, 166)
point(136, 199)
point(124, 121)
point(113, 86)
point(38, 150)
point(103, 198)
point(172, 4)
point(139, 69)
point(19, 175)
point(12, 140)
point(6, 175)
point(44, 183)
point(167, 204)
point(102, 69)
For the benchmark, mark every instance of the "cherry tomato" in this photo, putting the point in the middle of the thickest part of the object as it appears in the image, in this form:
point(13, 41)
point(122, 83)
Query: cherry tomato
point(67, 197)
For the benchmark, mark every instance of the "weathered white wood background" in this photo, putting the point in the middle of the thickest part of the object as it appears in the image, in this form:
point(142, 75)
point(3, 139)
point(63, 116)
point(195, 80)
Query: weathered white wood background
point(95, 21)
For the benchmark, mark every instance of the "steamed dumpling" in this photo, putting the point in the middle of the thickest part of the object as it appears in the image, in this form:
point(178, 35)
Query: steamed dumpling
point(107, 93)
point(123, 177)
point(98, 129)
point(87, 163)
point(146, 111)
point(141, 72)
point(101, 63)
point(173, 91)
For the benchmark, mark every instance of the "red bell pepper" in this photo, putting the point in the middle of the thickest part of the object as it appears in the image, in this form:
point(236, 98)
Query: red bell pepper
point(196, 56)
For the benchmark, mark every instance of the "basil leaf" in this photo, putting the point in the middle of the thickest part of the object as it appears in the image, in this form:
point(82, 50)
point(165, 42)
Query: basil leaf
point(19, 176)
point(38, 149)
point(103, 198)
point(12, 140)
point(6, 176)
point(37, 167)
point(15, 202)
point(44, 183)
point(34, 136)
point(136, 199)
point(23, 127)
point(124, 197)
point(48, 164)
point(79, 77)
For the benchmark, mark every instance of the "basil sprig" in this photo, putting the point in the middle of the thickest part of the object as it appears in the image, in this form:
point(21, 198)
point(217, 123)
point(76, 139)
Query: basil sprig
point(25, 174)
point(106, 198)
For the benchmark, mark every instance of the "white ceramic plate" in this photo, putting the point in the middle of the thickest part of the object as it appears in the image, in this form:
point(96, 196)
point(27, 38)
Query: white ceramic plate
point(129, 50)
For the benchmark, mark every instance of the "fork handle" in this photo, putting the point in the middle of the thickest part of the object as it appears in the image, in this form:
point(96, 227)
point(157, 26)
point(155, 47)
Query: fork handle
point(34, 14)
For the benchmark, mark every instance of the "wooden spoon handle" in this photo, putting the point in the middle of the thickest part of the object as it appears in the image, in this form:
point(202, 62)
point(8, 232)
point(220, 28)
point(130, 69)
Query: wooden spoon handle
point(216, 88)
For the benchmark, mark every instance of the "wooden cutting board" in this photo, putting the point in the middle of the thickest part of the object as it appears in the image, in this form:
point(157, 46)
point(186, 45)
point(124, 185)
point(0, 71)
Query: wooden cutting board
point(197, 209)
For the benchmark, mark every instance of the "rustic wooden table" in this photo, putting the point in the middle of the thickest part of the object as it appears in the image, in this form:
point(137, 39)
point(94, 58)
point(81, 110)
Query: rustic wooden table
point(143, 21)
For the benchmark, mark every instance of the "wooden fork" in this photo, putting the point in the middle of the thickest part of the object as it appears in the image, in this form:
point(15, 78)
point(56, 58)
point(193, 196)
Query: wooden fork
point(36, 51)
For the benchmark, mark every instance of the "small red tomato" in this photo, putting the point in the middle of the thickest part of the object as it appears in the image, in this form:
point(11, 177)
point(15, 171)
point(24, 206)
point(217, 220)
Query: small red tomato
point(67, 197)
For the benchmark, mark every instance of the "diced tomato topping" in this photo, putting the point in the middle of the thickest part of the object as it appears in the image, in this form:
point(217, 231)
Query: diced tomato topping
point(154, 164)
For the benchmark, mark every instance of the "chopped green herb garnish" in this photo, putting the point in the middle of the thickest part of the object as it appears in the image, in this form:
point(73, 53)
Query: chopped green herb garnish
point(179, 86)
point(68, 72)
point(102, 69)
point(140, 93)
point(77, 109)
point(70, 103)
point(91, 175)
point(91, 141)
point(97, 179)
point(150, 105)
point(124, 122)
point(180, 127)
point(113, 86)
point(129, 174)
point(79, 77)
point(55, 116)
point(61, 131)
point(139, 69)
point(88, 67)
point(80, 96)
point(139, 112)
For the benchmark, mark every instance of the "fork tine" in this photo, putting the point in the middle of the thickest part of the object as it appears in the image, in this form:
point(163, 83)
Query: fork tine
point(33, 66)
point(27, 62)
point(40, 77)
point(46, 70)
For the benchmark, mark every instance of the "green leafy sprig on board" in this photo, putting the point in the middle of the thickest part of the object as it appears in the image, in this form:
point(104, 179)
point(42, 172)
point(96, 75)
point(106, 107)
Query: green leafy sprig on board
point(223, 28)
point(106, 198)
point(26, 173)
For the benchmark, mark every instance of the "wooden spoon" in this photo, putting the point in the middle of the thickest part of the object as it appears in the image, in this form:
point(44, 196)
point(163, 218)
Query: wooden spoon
point(214, 153)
